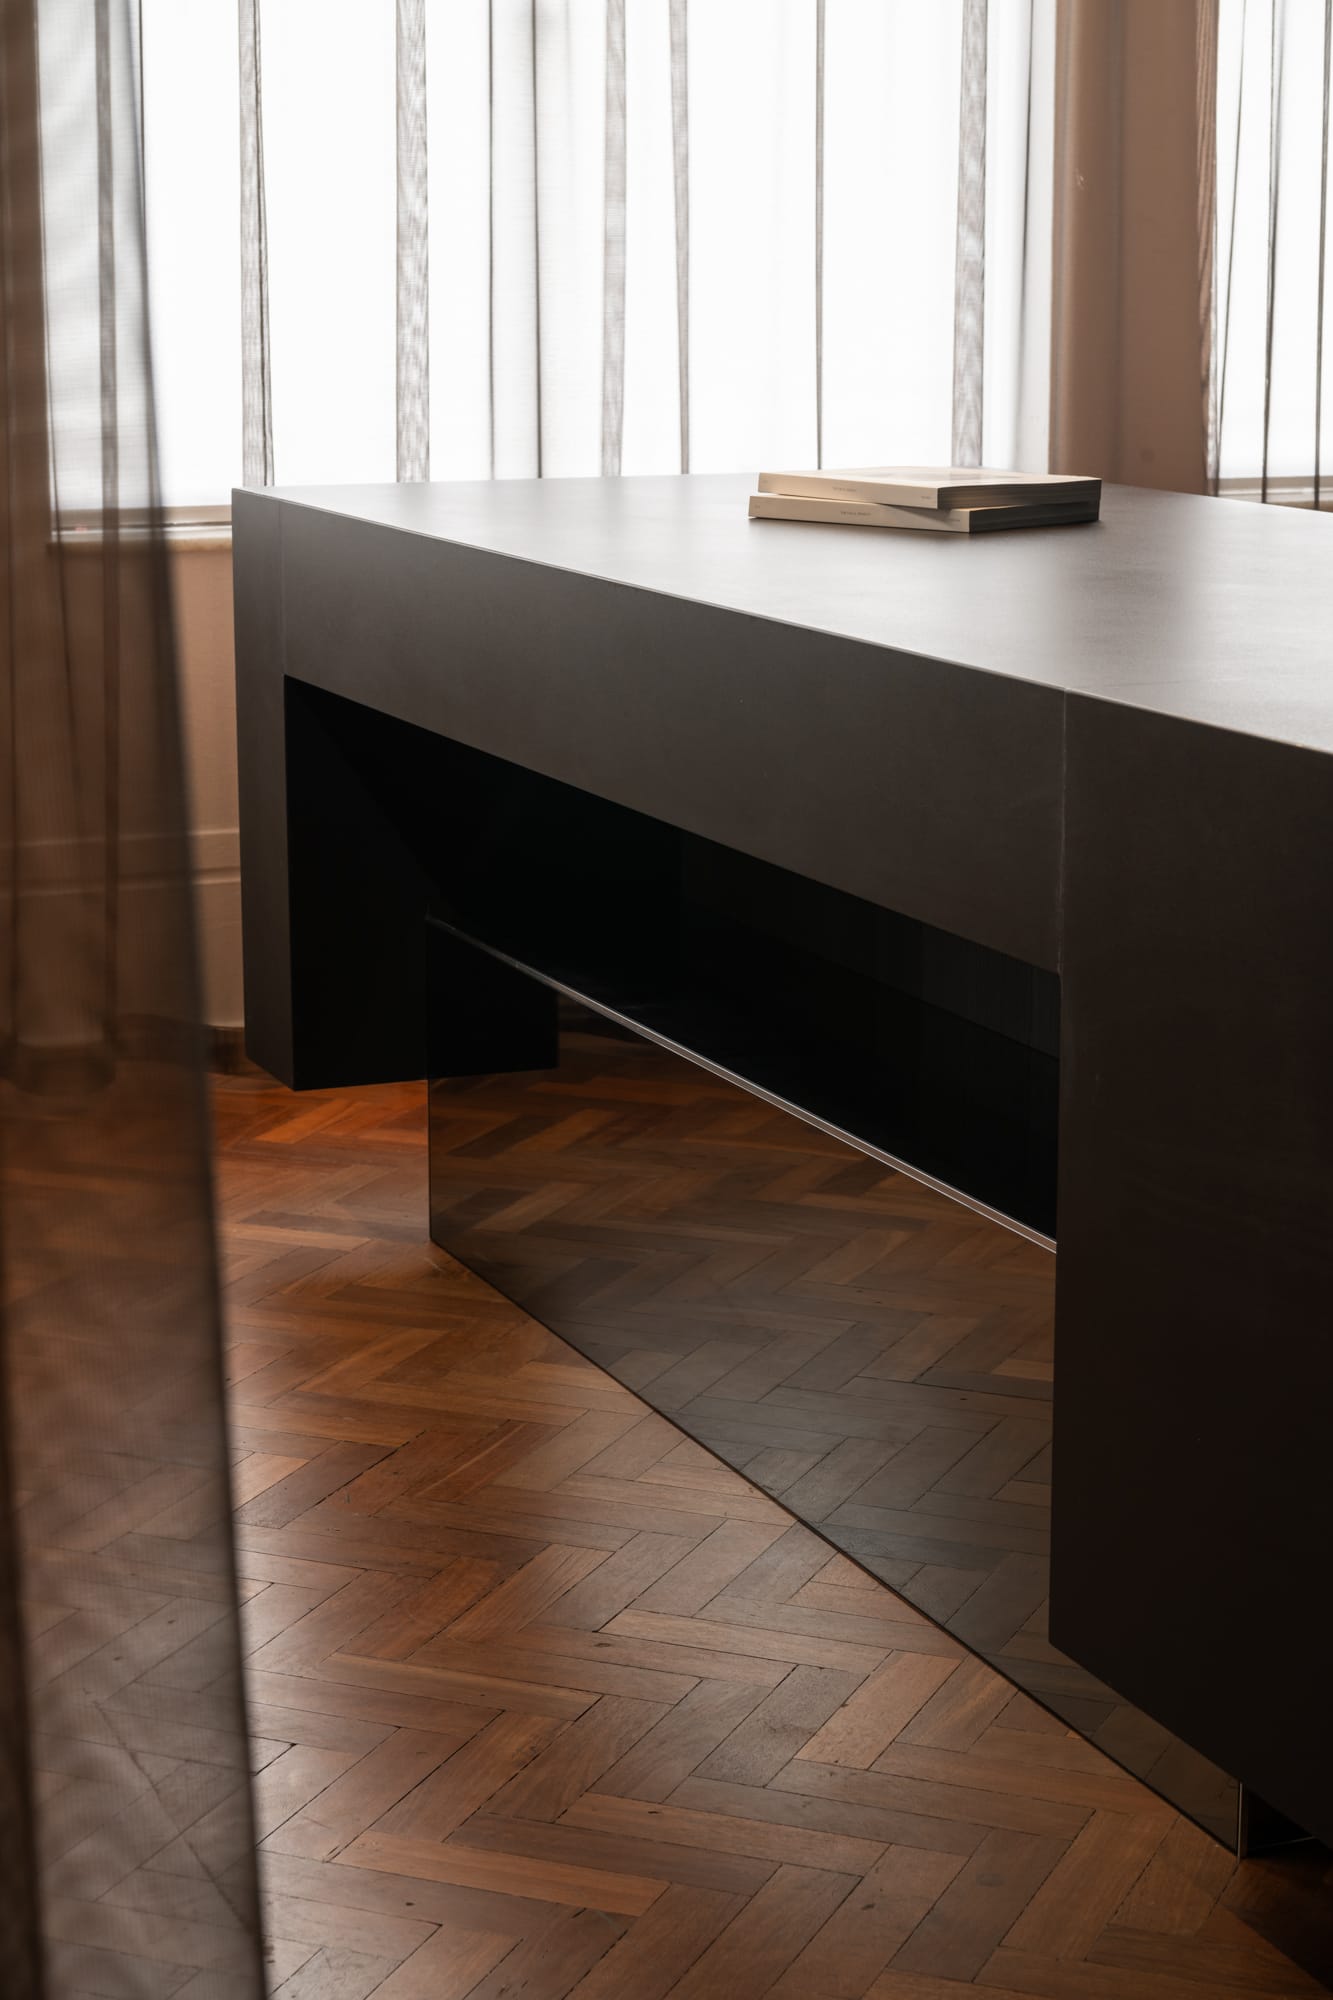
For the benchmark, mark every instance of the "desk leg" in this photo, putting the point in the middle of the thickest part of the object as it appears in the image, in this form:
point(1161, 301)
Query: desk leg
point(1194, 1329)
point(333, 896)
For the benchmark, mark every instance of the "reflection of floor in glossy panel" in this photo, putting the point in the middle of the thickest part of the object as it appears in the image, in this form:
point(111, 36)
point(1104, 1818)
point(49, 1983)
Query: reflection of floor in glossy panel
point(547, 1701)
point(873, 1355)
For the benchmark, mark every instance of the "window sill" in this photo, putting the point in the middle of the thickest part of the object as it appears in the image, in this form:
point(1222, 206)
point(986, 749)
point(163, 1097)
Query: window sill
point(202, 530)
point(1283, 491)
point(181, 530)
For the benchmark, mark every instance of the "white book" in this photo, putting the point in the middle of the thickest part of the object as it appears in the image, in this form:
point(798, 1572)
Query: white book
point(947, 521)
point(936, 486)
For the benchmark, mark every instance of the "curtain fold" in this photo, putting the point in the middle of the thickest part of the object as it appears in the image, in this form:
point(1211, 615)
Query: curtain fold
point(678, 25)
point(613, 258)
point(1271, 345)
point(969, 297)
point(658, 237)
point(821, 45)
point(126, 1835)
point(1205, 123)
point(412, 378)
point(256, 348)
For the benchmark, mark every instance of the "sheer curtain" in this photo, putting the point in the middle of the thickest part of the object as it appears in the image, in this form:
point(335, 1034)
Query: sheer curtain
point(507, 237)
point(125, 1825)
point(1271, 313)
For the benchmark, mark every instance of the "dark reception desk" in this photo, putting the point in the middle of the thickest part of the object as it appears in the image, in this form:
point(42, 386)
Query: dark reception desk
point(1010, 861)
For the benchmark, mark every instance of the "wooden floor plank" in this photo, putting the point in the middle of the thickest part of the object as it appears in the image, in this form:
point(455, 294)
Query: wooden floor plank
point(759, 1945)
point(507, 1874)
point(873, 1716)
point(658, 1950)
point(449, 1966)
point(844, 1959)
point(981, 1904)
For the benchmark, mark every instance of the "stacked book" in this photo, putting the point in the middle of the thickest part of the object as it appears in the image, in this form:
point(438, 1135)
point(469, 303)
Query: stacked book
point(951, 499)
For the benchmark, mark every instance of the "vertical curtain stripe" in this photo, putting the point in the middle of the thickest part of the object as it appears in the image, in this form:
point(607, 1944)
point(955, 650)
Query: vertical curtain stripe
point(613, 253)
point(1275, 46)
point(109, 387)
point(143, 127)
point(970, 251)
point(537, 243)
point(1206, 160)
point(490, 226)
point(680, 168)
point(256, 386)
point(1224, 329)
point(412, 325)
point(1027, 274)
point(820, 25)
point(1323, 249)
point(106, 267)
point(106, 254)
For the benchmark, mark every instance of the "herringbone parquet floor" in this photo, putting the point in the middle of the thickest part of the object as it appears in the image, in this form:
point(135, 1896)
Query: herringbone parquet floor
point(550, 1703)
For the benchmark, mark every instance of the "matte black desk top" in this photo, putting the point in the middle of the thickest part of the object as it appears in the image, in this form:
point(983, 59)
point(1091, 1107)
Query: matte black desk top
point(1216, 611)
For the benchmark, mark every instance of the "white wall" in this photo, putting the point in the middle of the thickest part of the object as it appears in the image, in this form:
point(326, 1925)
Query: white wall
point(201, 582)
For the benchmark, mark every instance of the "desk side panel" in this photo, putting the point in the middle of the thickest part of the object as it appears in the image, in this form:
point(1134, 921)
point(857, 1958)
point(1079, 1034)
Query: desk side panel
point(1194, 1288)
point(333, 898)
point(920, 786)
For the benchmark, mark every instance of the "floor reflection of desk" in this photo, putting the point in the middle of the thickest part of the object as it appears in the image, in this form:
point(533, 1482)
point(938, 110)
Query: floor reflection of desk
point(582, 722)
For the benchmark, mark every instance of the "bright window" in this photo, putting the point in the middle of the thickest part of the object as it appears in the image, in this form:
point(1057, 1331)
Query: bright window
point(516, 234)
